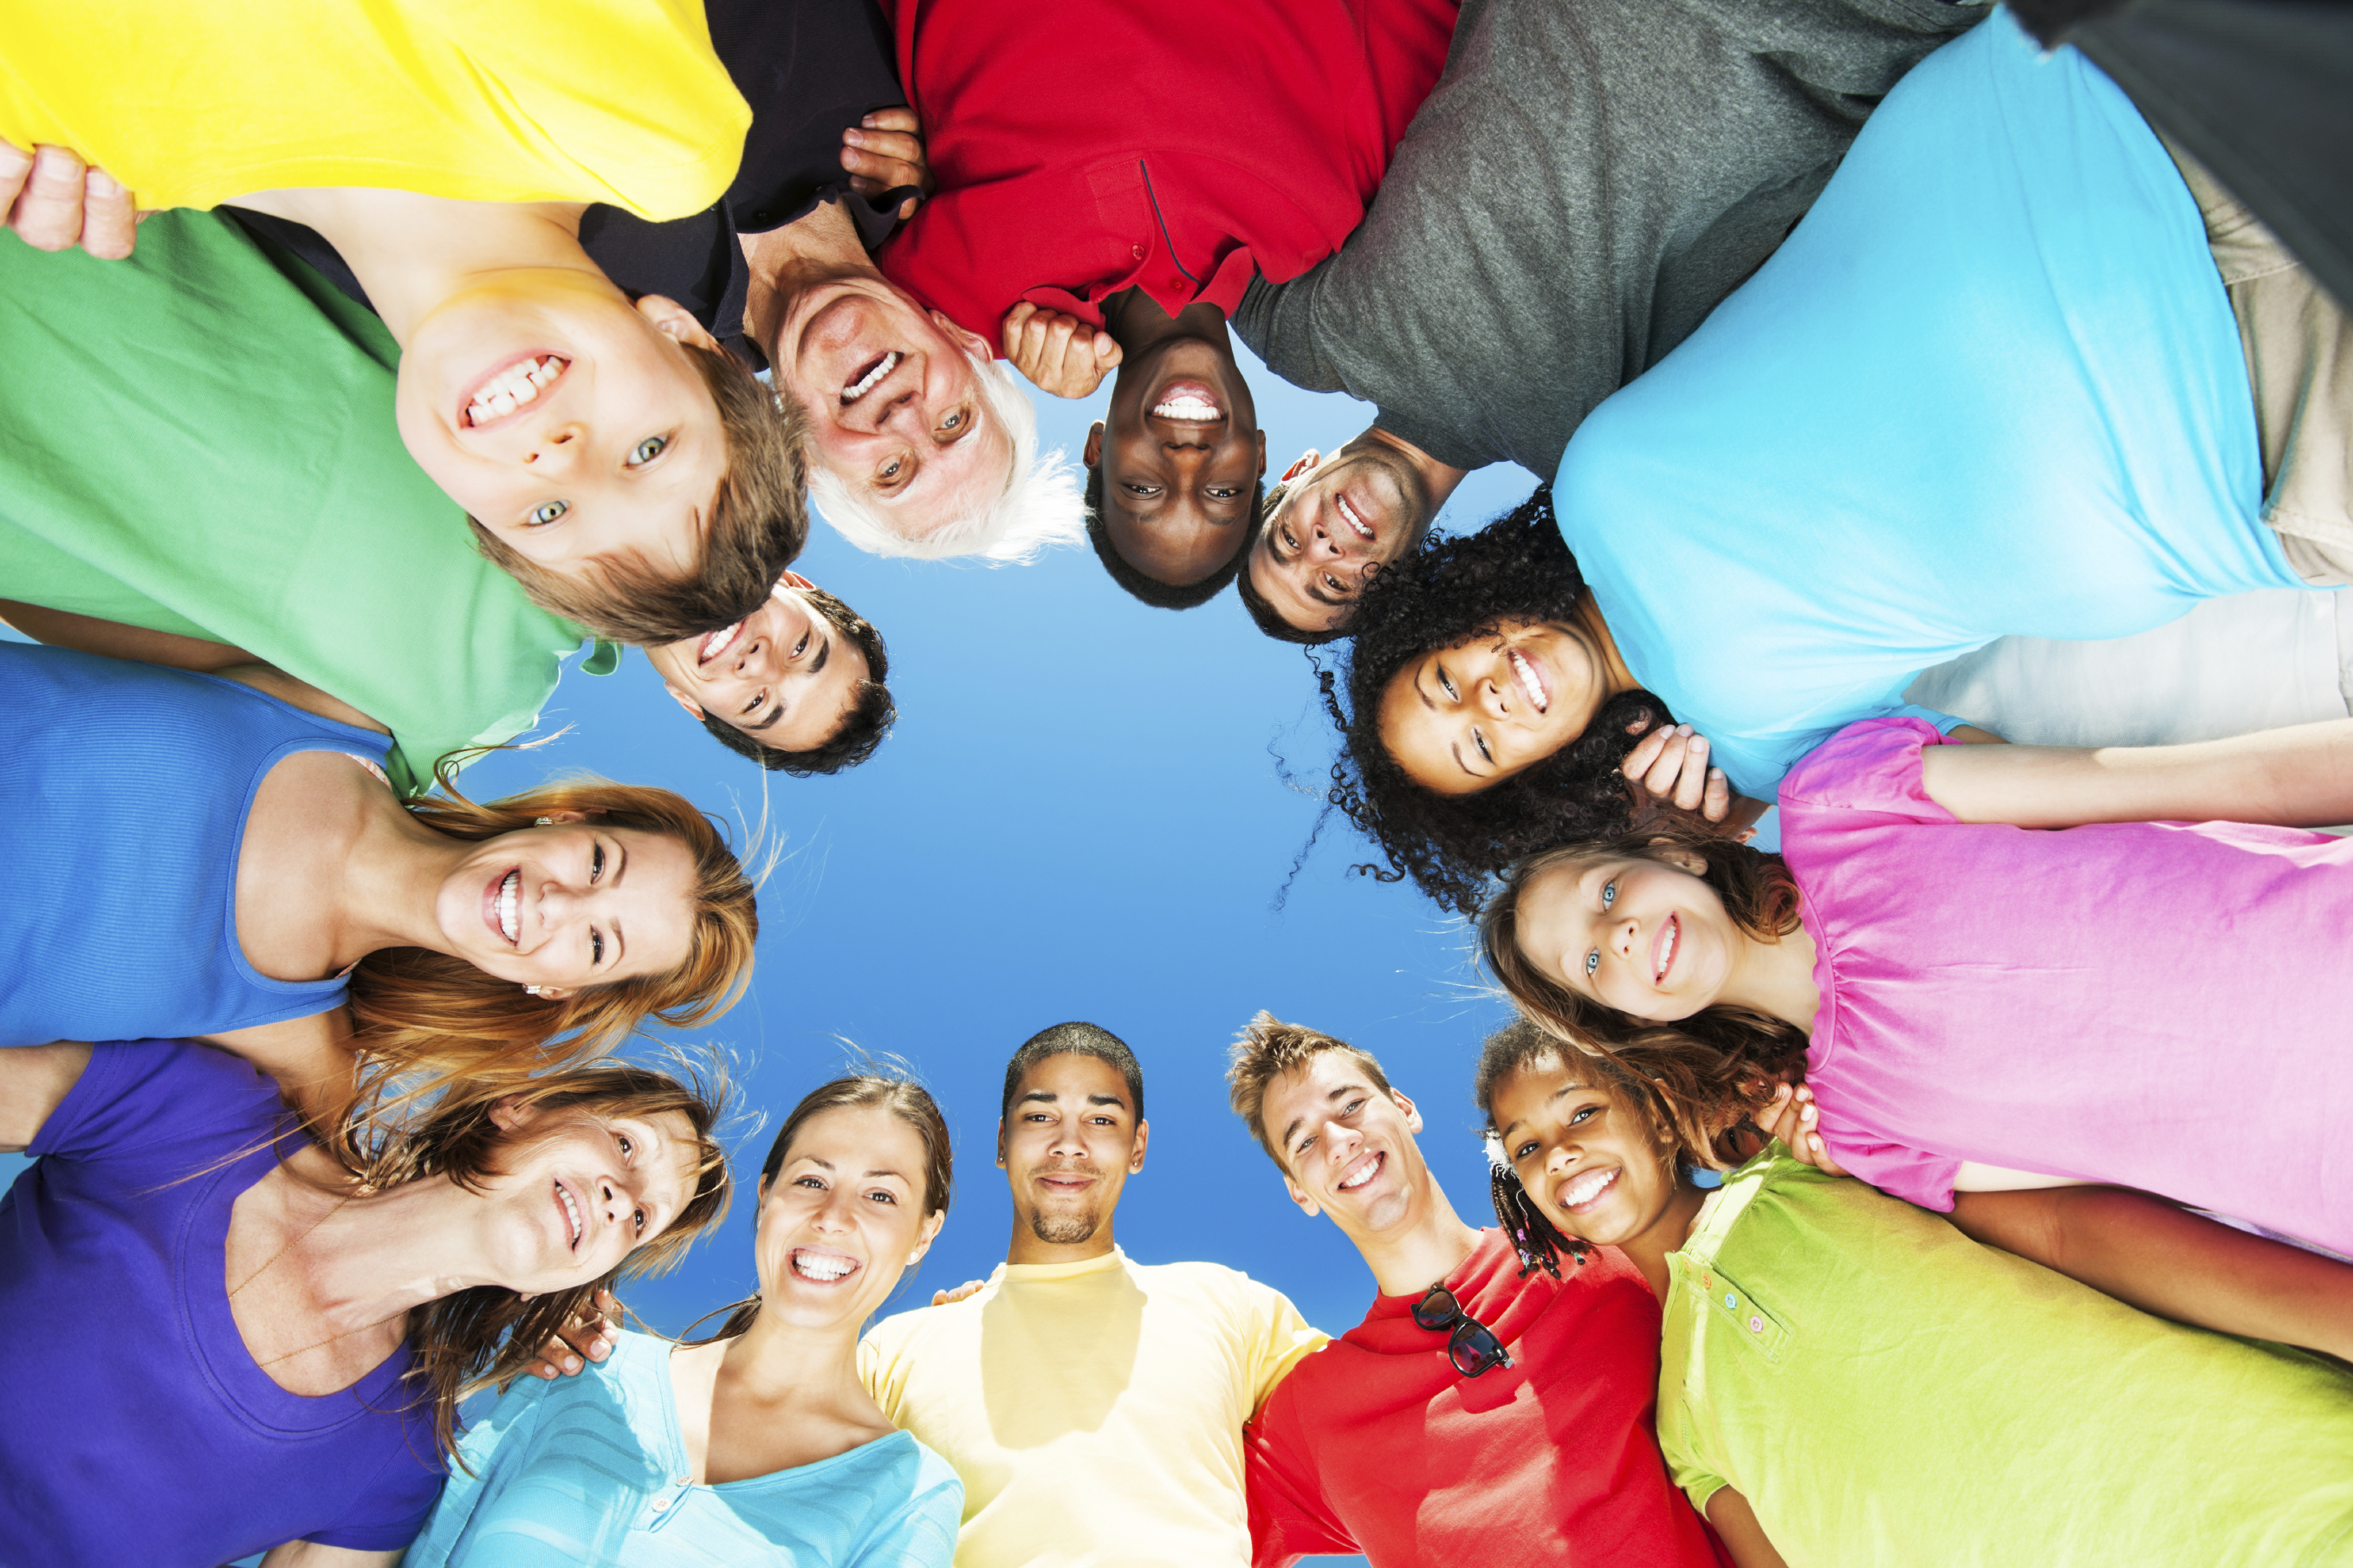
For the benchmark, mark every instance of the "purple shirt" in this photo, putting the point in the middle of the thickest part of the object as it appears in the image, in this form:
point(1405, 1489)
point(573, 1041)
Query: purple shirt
point(2160, 1005)
point(138, 1429)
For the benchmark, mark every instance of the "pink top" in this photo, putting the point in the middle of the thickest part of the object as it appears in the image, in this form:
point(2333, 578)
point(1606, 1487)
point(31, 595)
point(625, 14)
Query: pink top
point(2160, 1005)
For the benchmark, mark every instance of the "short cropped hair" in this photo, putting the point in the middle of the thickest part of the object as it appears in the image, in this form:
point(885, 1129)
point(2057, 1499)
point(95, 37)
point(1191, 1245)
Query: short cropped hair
point(871, 715)
point(1265, 1050)
point(1038, 505)
point(1152, 590)
point(1262, 610)
point(1074, 1039)
point(759, 523)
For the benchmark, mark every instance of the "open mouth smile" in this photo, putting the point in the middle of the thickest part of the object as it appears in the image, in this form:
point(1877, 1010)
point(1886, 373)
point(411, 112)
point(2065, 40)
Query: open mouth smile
point(820, 1266)
point(1190, 403)
point(509, 388)
point(1587, 1190)
point(1349, 515)
point(718, 642)
point(503, 906)
point(1662, 948)
point(870, 376)
point(1363, 1172)
point(1538, 697)
point(577, 1226)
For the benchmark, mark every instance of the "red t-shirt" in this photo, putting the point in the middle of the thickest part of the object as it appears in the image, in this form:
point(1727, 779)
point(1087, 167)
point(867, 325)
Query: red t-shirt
point(1376, 1444)
point(1084, 146)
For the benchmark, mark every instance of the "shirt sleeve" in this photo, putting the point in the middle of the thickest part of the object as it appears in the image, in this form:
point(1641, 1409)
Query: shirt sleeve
point(1915, 1175)
point(1690, 1473)
point(1278, 1338)
point(171, 1105)
point(1289, 1518)
point(957, 256)
point(486, 1448)
point(1873, 766)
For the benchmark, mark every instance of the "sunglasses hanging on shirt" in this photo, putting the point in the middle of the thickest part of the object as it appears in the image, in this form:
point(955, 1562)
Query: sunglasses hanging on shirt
point(1472, 1346)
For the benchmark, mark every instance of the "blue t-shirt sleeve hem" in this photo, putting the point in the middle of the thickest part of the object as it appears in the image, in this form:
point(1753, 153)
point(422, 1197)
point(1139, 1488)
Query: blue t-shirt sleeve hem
point(1945, 723)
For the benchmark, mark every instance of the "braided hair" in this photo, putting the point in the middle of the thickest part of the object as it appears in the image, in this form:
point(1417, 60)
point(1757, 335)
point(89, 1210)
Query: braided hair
point(1443, 596)
point(1535, 1239)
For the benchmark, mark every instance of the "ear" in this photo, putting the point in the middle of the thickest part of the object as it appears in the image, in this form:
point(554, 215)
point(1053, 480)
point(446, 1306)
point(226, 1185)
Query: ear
point(1091, 452)
point(1412, 1116)
point(1675, 855)
point(932, 1223)
point(555, 993)
point(1307, 1205)
point(793, 579)
point(567, 817)
point(673, 320)
point(1299, 465)
point(1000, 1143)
point(973, 343)
point(1261, 453)
point(509, 1113)
point(1135, 1155)
point(694, 709)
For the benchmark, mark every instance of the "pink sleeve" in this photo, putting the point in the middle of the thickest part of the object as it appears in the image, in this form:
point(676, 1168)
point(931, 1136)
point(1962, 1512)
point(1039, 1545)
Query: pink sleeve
point(1871, 766)
point(1913, 1175)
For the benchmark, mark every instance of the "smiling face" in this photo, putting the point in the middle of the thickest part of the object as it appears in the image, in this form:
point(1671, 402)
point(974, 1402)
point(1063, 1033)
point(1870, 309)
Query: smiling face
point(568, 422)
point(1592, 1164)
point(1348, 1146)
point(570, 905)
point(786, 677)
point(1068, 1145)
point(894, 397)
point(1463, 719)
point(1339, 522)
point(576, 1192)
point(1181, 459)
point(1648, 940)
point(843, 1218)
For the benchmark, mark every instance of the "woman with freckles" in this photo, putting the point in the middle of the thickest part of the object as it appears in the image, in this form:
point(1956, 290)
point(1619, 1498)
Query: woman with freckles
point(1996, 968)
point(760, 1446)
point(190, 856)
point(1847, 1379)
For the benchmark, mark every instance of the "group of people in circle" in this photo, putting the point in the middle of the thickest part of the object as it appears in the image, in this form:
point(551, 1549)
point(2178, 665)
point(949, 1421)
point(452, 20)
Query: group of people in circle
point(1913, 1145)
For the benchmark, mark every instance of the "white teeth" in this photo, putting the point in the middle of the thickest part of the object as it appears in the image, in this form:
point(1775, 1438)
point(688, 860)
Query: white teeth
point(510, 895)
point(827, 1269)
point(1667, 946)
point(1349, 515)
point(513, 388)
point(1372, 1168)
point(865, 384)
point(1188, 407)
point(717, 640)
point(1529, 683)
point(1586, 1187)
point(571, 1208)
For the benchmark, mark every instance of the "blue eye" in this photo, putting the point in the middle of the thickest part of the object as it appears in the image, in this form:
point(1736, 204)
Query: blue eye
point(1592, 962)
point(1609, 894)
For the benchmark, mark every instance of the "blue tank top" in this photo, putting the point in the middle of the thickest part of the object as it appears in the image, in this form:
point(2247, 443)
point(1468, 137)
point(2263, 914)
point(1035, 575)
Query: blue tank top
point(125, 790)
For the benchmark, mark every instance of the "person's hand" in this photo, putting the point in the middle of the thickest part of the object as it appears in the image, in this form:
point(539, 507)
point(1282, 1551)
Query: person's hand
point(943, 1298)
point(1792, 1117)
point(885, 150)
point(1058, 354)
point(54, 202)
point(590, 1336)
point(1671, 764)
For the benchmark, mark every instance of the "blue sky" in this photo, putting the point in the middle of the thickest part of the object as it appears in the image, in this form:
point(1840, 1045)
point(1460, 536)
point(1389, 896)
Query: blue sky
point(1088, 810)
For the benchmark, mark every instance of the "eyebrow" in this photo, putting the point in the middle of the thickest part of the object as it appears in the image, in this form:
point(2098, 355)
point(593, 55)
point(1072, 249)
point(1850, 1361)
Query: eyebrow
point(1570, 1087)
point(621, 869)
point(1047, 1097)
point(814, 1160)
point(1345, 1090)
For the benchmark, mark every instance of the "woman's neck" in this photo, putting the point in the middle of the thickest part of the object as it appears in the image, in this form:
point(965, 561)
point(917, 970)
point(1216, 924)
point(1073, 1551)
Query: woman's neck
point(776, 1396)
point(820, 247)
point(411, 252)
point(352, 1262)
point(1615, 675)
point(1648, 1248)
point(1775, 977)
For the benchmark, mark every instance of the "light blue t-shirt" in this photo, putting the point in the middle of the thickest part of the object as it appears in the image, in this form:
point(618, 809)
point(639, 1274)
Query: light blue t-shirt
point(588, 1471)
point(1992, 385)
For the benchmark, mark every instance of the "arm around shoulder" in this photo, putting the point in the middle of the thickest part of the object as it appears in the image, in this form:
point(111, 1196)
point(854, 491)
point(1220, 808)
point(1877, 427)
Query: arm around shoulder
point(2301, 776)
point(34, 1081)
point(310, 1554)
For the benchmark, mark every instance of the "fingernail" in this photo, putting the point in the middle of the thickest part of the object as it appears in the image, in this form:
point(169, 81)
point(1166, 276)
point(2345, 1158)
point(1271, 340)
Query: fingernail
point(1699, 744)
point(572, 1363)
point(102, 184)
point(598, 1350)
point(853, 138)
point(1683, 729)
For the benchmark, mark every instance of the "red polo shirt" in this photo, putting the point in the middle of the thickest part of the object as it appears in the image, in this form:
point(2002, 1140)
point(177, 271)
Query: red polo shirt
point(1084, 146)
point(1376, 1444)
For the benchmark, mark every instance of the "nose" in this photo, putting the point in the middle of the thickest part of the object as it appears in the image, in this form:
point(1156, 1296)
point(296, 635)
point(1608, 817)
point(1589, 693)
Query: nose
point(1622, 935)
point(1067, 1139)
point(555, 447)
point(610, 1194)
point(834, 1214)
point(1341, 1142)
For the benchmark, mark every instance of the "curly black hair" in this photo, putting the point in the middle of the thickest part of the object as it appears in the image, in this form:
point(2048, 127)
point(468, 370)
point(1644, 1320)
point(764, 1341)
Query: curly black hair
point(1151, 589)
point(868, 720)
point(1443, 596)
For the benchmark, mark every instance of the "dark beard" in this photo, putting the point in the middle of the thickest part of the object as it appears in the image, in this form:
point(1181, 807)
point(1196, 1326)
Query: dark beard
point(1062, 1230)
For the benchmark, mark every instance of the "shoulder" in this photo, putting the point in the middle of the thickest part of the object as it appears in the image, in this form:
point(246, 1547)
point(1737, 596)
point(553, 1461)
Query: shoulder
point(150, 1097)
point(1871, 765)
point(898, 1333)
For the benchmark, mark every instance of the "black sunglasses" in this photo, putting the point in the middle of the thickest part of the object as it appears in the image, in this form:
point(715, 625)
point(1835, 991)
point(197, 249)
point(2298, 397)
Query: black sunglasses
point(1472, 1347)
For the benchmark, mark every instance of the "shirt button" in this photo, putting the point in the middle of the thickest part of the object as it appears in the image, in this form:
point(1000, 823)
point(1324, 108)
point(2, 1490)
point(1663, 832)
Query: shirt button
point(661, 1504)
point(1730, 1299)
point(1136, 251)
point(1755, 1325)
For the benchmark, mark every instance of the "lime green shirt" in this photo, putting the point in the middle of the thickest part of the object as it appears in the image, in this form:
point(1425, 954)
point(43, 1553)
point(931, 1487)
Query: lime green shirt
point(200, 441)
point(1887, 1393)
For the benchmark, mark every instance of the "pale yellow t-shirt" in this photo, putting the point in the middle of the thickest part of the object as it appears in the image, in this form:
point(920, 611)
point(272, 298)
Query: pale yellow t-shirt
point(619, 101)
point(1094, 1409)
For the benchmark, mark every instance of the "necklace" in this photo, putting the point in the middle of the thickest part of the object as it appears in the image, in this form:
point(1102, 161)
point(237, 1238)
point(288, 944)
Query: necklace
point(282, 1252)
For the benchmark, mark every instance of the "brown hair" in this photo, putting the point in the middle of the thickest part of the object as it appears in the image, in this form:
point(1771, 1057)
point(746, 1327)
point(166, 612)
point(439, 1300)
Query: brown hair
point(909, 1101)
point(871, 711)
point(425, 1019)
point(759, 523)
point(1266, 1049)
point(1711, 1068)
point(488, 1335)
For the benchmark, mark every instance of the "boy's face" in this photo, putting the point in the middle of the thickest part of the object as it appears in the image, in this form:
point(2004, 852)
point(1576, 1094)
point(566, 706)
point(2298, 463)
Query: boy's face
point(1348, 1146)
point(1593, 1164)
point(1181, 459)
point(785, 674)
point(568, 422)
point(1341, 520)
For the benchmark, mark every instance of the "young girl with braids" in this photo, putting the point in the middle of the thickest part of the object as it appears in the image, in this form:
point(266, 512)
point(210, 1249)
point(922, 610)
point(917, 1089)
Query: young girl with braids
point(1848, 1379)
point(191, 856)
point(1995, 967)
point(247, 1343)
point(758, 1446)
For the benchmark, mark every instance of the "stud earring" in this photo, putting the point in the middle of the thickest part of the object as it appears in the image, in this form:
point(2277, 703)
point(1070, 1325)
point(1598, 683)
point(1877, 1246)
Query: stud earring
point(533, 991)
point(544, 822)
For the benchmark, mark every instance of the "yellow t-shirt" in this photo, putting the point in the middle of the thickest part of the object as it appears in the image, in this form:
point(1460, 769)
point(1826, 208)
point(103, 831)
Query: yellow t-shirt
point(1094, 1409)
point(619, 101)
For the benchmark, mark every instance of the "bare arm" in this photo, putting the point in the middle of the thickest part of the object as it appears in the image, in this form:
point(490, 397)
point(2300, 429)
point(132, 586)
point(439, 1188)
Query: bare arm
point(88, 633)
point(2296, 777)
point(2164, 1259)
point(310, 1057)
point(34, 1081)
point(1735, 1521)
point(310, 1554)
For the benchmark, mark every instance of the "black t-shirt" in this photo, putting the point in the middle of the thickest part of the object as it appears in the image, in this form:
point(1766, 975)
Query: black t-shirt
point(808, 68)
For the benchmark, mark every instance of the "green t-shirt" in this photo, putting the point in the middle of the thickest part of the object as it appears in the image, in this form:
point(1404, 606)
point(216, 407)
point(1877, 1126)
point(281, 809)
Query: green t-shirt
point(1887, 1392)
point(200, 440)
